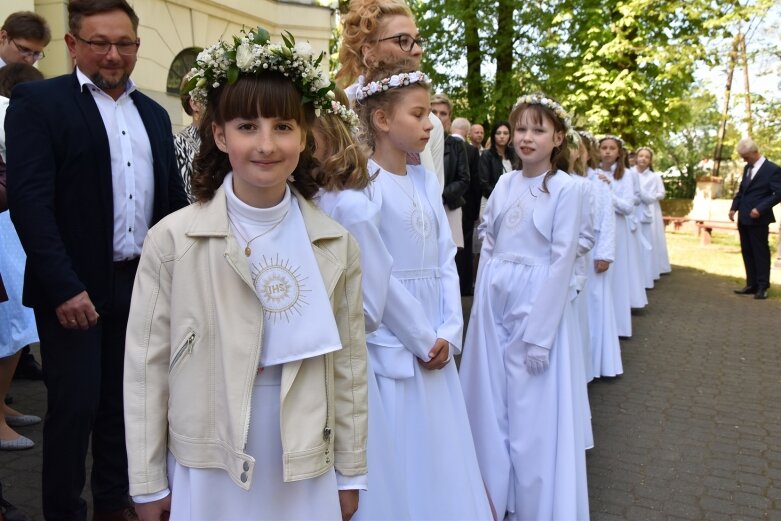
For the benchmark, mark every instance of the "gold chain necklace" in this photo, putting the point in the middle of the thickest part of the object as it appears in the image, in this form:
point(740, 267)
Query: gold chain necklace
point(398, 183)
point(247, 249)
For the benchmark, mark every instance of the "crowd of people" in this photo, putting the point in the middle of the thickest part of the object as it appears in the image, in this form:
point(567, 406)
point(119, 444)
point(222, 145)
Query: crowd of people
point(260, 318)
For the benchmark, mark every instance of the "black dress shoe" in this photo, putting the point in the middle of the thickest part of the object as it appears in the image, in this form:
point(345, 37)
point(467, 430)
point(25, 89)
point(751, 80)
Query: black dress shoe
point(747, 290)
point(28, 368)
point(761, 294)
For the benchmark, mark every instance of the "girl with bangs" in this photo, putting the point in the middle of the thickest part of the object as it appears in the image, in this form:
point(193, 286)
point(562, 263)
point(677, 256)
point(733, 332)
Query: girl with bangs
point(245, 367)
point(412, 350)
point(344, 196)
point(519, 379)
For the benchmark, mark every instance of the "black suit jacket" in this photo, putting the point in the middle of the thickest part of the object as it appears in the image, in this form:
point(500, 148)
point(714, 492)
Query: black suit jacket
point(763, 193)
point(456, 173)
point(473, 194)
point(60, 187)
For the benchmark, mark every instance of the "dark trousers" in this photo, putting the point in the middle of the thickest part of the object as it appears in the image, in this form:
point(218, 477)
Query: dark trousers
point(83, 375)
point(464, 258)
point(756, 255)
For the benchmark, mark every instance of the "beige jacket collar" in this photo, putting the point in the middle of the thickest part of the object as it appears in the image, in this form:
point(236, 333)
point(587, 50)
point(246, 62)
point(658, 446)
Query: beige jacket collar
point(213, 222)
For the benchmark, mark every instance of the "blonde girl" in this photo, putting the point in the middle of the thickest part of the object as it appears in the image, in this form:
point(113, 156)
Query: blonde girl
point(422, 324)
point(652, 188)
point(345, 196)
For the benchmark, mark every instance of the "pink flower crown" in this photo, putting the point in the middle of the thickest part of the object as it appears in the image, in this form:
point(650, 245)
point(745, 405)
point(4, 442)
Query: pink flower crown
point(397, 80)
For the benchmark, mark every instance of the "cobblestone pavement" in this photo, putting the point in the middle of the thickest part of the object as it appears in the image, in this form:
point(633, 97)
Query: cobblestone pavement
point(692, 430)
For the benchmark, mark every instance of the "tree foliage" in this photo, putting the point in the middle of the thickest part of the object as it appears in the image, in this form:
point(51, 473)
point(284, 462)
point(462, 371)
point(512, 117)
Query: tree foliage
point(625, 67)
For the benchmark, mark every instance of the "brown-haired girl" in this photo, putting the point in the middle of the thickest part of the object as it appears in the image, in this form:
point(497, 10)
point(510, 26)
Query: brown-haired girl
point(422, 324)
point(628, 280)
point(245, 366)
point(517, 371)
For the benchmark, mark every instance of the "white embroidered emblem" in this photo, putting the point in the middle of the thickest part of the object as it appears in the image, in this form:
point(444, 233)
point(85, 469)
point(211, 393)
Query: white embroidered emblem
point(280, 287)
point(421, 223)
point(514, 216)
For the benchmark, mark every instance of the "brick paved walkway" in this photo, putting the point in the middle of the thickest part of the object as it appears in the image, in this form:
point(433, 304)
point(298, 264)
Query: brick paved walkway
point(692, 430)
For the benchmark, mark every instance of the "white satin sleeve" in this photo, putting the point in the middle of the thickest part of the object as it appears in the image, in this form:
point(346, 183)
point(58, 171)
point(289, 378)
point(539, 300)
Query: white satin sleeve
point(548, 308)
point(361, 217)
point(605, 248)
point(452, 326)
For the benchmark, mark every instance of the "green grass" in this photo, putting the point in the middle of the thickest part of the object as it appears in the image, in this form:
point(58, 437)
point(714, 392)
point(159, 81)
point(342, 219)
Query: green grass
point(721, 257)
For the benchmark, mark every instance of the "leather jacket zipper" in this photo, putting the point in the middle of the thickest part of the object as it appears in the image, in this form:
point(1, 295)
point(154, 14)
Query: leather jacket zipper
point(185, 349)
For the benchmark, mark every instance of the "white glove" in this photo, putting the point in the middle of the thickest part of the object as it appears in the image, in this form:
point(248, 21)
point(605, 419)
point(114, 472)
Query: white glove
point(537, 359)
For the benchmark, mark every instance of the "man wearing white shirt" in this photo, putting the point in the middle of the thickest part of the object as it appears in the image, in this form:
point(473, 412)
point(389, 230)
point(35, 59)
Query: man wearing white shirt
point(759, 192)
point(91, 167)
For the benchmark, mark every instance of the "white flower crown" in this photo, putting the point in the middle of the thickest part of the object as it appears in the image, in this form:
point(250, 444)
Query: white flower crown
point(614, 138)
point(346, 114)
point(397, 80)
point(587, 135)
point(539, 99)
point(253, 53)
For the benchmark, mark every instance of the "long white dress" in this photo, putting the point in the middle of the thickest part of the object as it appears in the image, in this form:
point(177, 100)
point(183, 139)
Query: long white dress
point(209, 494)
point(386, 494)
point(605, 347)
point(425, 408)
point(641, 216)
point(653, 191)
point(627, 280)
point(528, 429)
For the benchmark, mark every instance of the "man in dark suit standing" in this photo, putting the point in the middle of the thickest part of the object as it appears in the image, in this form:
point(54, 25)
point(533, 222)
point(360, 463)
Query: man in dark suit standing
point(471, 209)
point(91, 166)
point(759, 192)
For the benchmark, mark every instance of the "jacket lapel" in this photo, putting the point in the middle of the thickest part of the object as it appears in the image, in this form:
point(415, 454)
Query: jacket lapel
point(96, 131)
point(150, 124)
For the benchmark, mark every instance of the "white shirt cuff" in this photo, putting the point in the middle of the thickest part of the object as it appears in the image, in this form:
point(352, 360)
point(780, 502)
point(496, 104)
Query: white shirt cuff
point(154, 496)
point(360, 482)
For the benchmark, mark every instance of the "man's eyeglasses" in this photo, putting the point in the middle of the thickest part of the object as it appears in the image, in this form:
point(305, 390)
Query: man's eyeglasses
point(405, 41)
point(28, 53)
point(126, 48)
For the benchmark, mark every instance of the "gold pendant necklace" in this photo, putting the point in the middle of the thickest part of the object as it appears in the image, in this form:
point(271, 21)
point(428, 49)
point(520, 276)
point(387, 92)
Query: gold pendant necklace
point(247, 249)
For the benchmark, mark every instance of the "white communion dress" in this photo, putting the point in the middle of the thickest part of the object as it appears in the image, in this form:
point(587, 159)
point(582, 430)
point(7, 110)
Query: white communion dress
point(605, 347)
point(528, 429)
point(653, 190)
point(386, 495)
point(426, 411)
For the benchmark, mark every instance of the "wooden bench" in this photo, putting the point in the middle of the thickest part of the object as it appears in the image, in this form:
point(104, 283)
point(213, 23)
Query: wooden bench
point(677, 222)
point(705, 229)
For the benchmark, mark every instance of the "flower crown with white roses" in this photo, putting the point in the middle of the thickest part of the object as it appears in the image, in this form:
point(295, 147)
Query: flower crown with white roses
point(614, 138)
point(397, 80)
point(346, 114)
point(253, 53)
point(539, 99)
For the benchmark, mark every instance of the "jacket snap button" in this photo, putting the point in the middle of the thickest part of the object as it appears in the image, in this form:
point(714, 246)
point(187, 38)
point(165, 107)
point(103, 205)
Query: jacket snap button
point(243, 477)
point(328, 460)
point(246, 466)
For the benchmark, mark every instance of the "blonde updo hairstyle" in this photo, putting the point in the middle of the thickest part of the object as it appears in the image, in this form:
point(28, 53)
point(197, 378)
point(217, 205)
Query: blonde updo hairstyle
point(360, 26)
